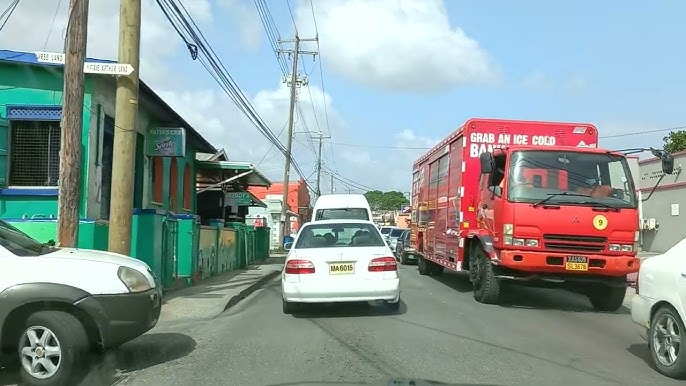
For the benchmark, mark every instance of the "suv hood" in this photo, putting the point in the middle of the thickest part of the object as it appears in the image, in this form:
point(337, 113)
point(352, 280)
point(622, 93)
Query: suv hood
point(98, 256)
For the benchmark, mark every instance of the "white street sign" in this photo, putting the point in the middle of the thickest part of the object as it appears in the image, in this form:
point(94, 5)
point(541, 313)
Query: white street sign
point(107, 68)
point(88, 67)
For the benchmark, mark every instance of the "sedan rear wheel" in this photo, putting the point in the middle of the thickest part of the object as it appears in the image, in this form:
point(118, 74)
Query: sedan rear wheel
point(664, 338)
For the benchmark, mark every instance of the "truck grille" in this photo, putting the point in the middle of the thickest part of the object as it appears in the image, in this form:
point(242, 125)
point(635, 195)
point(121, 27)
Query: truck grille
point(578, 243)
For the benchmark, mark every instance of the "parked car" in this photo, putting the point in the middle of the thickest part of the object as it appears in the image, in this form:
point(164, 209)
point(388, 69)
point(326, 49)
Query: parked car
point(658, 306)
point(57, 304)
point(336, 261)
point(403, 248)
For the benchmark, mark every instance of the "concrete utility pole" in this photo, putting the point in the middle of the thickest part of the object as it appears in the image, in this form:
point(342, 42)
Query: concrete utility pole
point(126, 113)
point(321, 136)
point(295, 82)
point(332, 188)
point(72, 125)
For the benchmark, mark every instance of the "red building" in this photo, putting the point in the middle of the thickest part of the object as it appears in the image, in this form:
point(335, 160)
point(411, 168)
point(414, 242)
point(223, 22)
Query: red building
point(298, 200)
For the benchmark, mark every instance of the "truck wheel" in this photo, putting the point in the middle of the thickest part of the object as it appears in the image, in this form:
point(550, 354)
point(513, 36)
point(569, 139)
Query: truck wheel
point(53, 349)
point(667, 328)
point(423, 266)
point(606, 298)
point(486, 285)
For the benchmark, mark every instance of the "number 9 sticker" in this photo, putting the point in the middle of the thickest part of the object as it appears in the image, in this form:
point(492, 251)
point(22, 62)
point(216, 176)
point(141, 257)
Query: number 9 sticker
point(600, 222)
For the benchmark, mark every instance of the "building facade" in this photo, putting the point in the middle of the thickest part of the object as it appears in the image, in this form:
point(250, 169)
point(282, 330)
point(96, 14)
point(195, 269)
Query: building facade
point(30, 114)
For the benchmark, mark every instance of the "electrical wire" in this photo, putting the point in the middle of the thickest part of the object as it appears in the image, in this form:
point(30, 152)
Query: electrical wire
point(188, 30)
point(52, 23)
point(7, 13)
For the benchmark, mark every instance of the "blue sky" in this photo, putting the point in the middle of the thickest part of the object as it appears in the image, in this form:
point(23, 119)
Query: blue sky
point(400, 73)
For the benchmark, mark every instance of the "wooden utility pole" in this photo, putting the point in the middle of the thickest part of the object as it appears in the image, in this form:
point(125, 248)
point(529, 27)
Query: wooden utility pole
point(72, 125)
point(126, 113)
point(294, 84)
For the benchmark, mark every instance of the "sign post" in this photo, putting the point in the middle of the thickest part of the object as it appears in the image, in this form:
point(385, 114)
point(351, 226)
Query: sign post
point(88, 67)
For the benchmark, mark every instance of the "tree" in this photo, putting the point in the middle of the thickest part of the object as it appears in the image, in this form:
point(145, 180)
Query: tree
point(391, 200)
point(675, 141)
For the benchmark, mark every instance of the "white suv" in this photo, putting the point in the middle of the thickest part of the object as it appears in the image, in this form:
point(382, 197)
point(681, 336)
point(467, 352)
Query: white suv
point(57, 304)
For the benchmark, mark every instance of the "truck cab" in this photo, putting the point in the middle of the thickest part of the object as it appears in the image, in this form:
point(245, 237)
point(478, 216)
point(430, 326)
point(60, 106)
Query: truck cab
point(558, 215)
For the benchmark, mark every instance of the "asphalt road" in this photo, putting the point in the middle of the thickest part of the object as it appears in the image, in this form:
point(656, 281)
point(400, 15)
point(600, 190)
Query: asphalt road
point(538, 337)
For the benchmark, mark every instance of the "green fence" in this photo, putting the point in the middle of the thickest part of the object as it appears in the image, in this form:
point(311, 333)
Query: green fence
point(177, 248)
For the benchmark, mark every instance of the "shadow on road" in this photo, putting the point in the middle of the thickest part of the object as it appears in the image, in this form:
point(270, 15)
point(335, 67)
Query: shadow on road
point(145, 351)
point(520, 296)
point(347, 310)
point(642, 352)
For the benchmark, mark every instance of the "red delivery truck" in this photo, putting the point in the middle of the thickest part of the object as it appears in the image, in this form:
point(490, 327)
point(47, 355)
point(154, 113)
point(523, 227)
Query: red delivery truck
point(531, 202)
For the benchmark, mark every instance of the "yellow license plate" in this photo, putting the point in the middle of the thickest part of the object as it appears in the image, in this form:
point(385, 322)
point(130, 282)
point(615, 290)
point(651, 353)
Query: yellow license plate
point(341, 268)
point(576, 263)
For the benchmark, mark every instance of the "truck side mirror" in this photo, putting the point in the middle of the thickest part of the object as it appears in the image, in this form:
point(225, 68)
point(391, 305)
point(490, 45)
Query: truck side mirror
point(486, 160)
point(667, 163)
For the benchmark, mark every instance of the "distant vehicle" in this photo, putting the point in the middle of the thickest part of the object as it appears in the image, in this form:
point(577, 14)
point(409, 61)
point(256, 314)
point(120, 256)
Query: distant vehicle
point(385, 230)
point(336, 261)
point(658, 306)
point(393, 236)
point(342, 207)
point(403, 248)
point(57, 304)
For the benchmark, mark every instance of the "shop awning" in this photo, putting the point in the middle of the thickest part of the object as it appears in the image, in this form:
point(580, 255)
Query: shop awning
point(224, 172)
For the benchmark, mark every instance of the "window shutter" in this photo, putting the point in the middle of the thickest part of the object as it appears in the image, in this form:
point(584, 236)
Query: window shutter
point(4, 135)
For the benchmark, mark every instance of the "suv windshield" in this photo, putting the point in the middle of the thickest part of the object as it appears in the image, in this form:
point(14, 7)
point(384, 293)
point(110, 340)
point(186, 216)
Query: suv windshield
point(21, 244)
point(342, 214)
point(339, 235)
point(571, 178)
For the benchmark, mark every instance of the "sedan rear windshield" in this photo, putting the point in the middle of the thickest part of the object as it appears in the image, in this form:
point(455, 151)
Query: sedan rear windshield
point(342, 214)
point(339, 235)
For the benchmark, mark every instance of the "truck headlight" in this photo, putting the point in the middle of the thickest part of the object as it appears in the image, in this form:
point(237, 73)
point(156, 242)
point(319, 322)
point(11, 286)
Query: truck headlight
point(517, 242)
point(621, 247)
point(133, 279)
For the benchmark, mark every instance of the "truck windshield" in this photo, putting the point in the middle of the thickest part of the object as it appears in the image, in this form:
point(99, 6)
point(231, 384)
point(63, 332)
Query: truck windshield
point(600, 179)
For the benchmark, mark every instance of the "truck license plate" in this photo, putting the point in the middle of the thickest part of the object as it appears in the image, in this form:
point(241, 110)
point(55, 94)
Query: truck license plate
point(576, 263)
point(341, 269)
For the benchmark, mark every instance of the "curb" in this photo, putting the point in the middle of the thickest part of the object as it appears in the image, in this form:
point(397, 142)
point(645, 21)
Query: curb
point(252, 288)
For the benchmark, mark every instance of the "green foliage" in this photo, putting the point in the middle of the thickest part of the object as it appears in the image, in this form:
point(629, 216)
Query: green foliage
point(675, 141)
point(391, 200)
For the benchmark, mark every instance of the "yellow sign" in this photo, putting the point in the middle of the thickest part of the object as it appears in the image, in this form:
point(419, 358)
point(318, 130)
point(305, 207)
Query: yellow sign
point(600, 222)
point(341, 269)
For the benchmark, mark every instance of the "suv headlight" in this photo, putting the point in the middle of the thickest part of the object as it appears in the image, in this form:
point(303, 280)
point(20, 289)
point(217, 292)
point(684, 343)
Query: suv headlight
point(133, 279)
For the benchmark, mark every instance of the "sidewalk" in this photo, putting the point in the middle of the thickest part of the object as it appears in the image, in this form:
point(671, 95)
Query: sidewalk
point(214, 295)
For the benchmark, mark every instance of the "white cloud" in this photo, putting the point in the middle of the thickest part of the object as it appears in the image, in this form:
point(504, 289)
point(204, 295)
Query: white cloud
point(397, 45)
point(210, 111)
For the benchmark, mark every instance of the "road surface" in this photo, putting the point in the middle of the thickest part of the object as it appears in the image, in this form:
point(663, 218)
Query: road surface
point(538, 337)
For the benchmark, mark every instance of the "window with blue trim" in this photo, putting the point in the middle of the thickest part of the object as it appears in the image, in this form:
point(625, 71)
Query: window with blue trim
point(34, 145)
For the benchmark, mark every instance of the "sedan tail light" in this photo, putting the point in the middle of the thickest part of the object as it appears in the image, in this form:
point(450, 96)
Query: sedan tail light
point(299, 267)
point(383, 264)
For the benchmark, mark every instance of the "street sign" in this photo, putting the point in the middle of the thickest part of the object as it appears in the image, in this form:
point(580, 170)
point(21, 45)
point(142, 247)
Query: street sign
point(88, 67)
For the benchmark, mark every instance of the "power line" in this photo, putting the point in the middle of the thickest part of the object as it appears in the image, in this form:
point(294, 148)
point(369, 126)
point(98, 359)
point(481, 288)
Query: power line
point(7, 13)
point(634, 133)
point(52, 23)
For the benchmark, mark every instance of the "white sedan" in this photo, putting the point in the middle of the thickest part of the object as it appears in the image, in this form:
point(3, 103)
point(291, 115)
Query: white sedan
point(659, 307)
point(339, 261)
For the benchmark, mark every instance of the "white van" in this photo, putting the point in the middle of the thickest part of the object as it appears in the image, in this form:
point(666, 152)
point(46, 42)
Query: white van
point(342, 207)
point(71, 300)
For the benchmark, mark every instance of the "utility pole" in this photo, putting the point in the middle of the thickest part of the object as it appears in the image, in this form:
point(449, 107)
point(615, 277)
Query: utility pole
point(295, 82)
point(332, 188)
point(319, 163)
point(126, 113)
point(72, 125)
